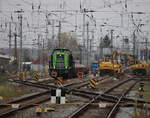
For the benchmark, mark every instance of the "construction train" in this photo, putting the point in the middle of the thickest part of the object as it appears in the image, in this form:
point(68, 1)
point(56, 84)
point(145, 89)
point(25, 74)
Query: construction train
point(118, 63)
point(107, 66)
point(137, 67)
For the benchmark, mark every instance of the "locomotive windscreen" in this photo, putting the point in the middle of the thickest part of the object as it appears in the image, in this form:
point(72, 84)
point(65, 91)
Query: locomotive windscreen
point(60, 57)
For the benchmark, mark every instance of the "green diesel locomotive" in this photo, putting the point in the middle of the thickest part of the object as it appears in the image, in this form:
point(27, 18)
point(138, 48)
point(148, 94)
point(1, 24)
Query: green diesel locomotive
point(61, 64)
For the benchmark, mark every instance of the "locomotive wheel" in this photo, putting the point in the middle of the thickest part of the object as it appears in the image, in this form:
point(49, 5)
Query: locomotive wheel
point(54, 74)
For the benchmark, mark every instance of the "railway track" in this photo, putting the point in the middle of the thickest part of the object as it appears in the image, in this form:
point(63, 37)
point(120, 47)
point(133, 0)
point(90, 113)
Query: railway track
point(34, 84)
point(115, 108)
point(80, 84)
point(96, 96)
point(24, 102)
point(83, 93)
point(83, 108)
point(71, 86)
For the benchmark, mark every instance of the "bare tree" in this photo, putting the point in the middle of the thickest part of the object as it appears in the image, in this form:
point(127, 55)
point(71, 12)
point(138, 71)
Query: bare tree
point(70, 42)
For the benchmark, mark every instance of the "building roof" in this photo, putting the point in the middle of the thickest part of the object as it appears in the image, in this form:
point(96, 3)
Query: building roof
point(11, 58)
point(4, 56)
point(27, 63)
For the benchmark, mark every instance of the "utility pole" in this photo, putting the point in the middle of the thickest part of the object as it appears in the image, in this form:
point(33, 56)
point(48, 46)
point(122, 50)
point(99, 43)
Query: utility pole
point(9, 39)
point(53, 32)
point(146, 54)
point(59, 33)
point(20, 34)
point(47, 39)
point(21, 58)
point(87, 43)
point(134, 43)
point(100, 44)
point(122, 24)
point(80, 59)
point(83, 36)
point(91, 43)
point(100, 48)
point(43, 55)
point(111, 33)
point(15, 51)
point(39, 53)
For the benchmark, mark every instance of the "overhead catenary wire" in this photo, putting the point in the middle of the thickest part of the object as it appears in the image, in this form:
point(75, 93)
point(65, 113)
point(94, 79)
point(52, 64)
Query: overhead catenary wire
point(69, 9)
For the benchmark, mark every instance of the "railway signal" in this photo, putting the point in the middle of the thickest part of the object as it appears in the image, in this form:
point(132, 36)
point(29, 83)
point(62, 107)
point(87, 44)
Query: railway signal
point(141, 89)
point(58, 96)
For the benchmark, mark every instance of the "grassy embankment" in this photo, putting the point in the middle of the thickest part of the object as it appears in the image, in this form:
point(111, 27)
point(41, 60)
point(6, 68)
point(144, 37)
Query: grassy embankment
point(147, 91)
point(9, 91)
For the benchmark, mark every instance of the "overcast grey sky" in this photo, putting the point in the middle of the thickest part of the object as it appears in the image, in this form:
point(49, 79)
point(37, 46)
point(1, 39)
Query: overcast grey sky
point(107, 11)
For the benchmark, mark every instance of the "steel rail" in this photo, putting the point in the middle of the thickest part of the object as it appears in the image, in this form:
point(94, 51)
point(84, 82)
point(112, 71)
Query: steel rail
point(76, 113)
point(87, 94)
point(115, 108)
point(39, 85)
point(85, 83)
point(24, 102)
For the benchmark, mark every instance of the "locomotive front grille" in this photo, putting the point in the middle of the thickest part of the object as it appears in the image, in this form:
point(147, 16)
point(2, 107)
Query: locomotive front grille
point(60, 65)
